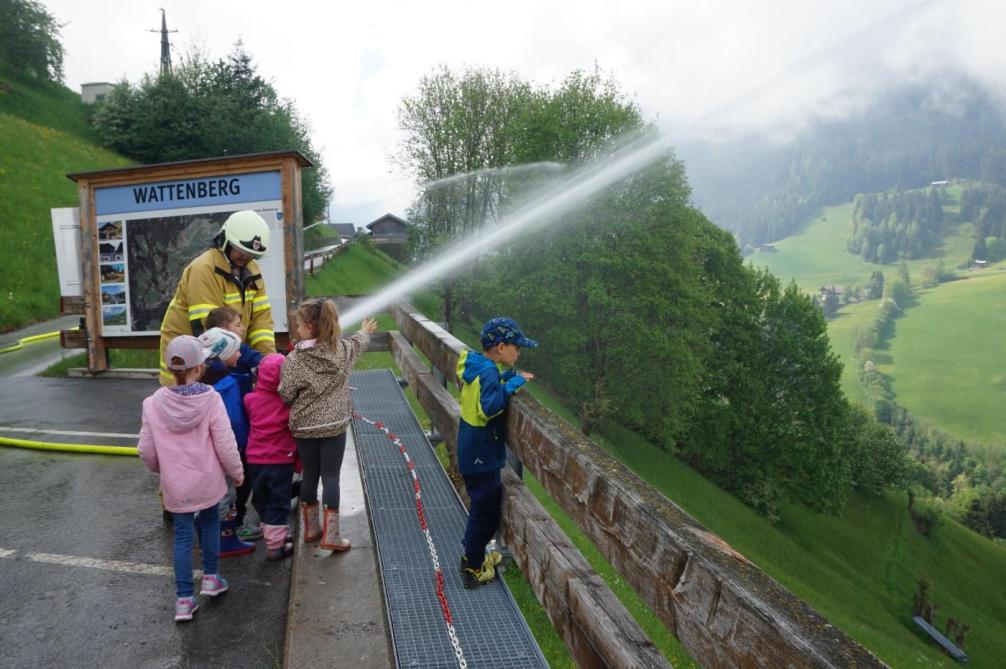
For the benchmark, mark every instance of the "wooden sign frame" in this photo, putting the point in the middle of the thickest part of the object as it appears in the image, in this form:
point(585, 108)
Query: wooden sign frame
point(287, 163)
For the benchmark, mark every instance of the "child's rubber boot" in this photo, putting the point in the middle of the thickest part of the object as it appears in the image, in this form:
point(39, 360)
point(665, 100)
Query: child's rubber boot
point(311, 522)
point(230, 545)
point(277, 544)
point(331, 540)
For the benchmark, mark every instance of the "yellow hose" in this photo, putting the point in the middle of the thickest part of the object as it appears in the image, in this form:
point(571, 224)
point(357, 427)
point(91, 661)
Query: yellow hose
point(68, 448)
point(29, 340)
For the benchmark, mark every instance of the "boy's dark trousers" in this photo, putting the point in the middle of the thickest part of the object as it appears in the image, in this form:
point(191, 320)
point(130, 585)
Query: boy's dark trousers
point(243, 493)
point(486, 494)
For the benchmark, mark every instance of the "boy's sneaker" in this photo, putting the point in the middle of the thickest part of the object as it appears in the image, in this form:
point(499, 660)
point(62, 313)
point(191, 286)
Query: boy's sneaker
point(213, 585)
point(249, 533)
point(184, 608)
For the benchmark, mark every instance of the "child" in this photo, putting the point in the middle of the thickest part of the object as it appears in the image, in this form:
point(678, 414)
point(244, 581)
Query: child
point(270, 453)
point(248, 361)
point(243, 371)
point(225, 346)
point(485, 391)
point(314, 383)
point(187, 438)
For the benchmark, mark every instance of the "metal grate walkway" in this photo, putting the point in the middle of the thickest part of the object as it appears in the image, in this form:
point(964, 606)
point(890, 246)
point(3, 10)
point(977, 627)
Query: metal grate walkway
point(488, 624)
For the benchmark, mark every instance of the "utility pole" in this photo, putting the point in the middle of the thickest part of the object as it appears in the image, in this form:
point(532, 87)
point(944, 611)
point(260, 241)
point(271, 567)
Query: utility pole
point(165, 44)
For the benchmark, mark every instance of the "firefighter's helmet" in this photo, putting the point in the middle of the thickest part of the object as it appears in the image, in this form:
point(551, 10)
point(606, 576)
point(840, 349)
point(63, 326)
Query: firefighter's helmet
point(247, 232)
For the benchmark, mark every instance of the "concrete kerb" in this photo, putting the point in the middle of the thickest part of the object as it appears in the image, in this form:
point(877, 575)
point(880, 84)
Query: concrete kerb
point(336, 614)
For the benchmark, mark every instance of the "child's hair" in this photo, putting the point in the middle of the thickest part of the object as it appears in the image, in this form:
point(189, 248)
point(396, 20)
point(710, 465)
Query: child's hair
point(321, 314)
point(181, 376)
point(221, 317)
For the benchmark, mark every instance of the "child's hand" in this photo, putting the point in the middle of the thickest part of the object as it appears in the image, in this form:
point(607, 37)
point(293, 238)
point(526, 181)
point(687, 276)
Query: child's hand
point(239, 482)
point(368, 325)
point(528, 376)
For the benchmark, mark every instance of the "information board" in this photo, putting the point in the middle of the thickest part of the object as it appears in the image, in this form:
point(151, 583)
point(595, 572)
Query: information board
point(148, 233)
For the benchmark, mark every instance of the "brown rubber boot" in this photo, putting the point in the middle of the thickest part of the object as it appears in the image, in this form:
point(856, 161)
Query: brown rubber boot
point(332, 541)
point(311, 521)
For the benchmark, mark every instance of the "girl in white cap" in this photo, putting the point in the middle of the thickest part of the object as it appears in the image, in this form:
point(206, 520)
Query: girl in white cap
point(186, 437)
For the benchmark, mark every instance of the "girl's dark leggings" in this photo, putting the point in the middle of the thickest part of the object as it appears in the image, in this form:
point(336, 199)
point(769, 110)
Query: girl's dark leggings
point(321, 458)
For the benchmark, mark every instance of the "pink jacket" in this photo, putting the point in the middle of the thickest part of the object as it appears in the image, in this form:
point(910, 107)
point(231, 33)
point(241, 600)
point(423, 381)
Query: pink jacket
point(188, 439)
point(269, 441)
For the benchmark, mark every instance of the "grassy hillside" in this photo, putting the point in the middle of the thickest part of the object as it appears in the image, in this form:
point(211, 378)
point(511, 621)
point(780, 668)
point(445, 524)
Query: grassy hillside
point(817, 256)
point(947, 361)
point(843, 330)
point(34, 160)
point(857, 568)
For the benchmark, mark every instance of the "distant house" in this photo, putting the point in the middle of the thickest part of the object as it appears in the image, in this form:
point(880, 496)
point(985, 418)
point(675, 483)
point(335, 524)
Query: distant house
point(94, 91)
point(979, 264)
point(938, 184)
point(389, 229)
point(345, 230)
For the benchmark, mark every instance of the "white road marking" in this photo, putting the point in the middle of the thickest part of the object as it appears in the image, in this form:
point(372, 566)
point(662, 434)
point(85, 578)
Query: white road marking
point(42, 430)
point(123, 566)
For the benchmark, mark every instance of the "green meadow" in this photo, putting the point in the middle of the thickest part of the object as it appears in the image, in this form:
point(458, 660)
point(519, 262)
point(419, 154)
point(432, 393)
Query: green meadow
point(948, 365)
point(817, 256)
point(44, 135)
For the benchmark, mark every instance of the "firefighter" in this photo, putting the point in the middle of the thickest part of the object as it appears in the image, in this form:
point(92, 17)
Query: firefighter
point(224, 275)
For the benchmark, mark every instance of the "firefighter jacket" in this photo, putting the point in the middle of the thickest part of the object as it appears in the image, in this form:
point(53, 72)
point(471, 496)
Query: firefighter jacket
point(207, 283)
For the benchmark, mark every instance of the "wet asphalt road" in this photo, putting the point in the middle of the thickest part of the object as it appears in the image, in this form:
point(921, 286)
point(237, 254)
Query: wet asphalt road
point(77, 533)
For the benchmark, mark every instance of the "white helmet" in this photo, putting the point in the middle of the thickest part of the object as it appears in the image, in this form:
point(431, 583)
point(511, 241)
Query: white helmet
point(247, 232)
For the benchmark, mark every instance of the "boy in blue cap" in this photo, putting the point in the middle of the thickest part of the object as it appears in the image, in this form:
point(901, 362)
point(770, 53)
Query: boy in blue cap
point(486, 388)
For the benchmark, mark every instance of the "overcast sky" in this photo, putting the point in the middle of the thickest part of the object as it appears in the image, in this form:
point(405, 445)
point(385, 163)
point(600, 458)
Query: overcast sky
point(694, 67)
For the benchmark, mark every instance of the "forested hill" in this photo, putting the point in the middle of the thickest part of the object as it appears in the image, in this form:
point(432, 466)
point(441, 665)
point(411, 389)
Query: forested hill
point(762, 189)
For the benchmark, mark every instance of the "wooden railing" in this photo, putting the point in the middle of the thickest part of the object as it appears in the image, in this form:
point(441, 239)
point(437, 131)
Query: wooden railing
point(721, 607)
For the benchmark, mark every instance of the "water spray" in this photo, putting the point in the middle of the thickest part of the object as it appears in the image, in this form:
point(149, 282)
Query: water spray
point(568, 194)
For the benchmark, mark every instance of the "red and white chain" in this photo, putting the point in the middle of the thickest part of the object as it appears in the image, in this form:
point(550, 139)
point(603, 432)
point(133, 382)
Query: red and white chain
point(445, 609)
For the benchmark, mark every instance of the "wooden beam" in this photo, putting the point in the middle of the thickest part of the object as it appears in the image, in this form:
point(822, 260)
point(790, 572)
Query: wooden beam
point(591, 620)
point(723, 609)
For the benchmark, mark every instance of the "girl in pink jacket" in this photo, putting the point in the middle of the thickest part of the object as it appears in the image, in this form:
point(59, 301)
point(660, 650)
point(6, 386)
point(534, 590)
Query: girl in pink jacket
point(186, 437)
point(271, 454)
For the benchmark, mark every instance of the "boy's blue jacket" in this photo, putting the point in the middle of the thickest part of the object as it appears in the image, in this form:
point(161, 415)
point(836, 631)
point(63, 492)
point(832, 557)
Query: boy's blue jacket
point(485, 390)
point(230, 391)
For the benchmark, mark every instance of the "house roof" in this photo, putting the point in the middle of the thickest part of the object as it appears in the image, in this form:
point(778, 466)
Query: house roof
point(304, 162)
point(345, 229)
point(387, 217)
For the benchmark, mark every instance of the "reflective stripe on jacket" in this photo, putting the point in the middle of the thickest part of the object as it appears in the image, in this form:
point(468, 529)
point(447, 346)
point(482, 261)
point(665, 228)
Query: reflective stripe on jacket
point(207, 283)
point(485, 391)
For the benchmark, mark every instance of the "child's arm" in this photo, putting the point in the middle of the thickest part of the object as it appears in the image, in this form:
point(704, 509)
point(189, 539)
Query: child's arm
point(223, 441)
point(145, 448)
point(357, 343)
point(494, 394)
point(249, 359)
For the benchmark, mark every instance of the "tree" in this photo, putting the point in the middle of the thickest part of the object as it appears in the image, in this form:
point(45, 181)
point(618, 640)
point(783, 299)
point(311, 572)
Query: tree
point(29, 39)
point(206, 109)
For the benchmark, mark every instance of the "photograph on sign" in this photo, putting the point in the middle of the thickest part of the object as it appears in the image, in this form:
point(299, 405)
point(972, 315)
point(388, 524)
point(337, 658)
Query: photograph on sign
point(113, 273)
point(149, 233)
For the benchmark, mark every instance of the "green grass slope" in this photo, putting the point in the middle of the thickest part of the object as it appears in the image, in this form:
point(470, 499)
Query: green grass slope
point(34, 161)
point(818, 257)
point(948, 368)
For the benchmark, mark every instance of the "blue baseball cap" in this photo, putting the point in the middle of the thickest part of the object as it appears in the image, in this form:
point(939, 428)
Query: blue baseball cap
point(504, 331)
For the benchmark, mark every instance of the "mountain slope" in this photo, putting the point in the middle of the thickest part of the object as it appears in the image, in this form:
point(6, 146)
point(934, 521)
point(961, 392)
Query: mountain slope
point(34, 161)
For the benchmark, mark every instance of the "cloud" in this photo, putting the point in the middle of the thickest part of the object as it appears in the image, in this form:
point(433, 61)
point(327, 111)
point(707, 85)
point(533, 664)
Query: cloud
point(716, 66)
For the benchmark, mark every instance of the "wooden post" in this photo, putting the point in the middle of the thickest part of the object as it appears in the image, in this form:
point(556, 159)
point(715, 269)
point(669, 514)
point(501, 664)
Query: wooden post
point(97, 359)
